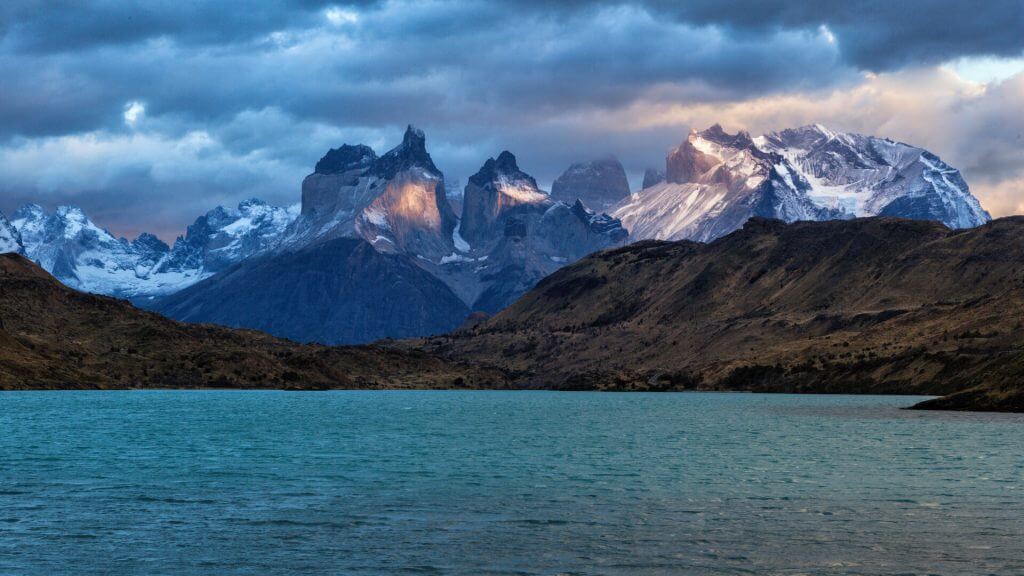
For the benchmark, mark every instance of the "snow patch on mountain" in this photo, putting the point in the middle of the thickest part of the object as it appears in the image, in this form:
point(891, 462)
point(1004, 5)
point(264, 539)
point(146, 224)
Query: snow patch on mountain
point(10, 239)
point(460, 243)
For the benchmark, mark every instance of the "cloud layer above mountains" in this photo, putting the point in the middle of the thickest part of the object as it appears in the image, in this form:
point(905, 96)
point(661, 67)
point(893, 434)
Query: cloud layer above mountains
point(147, 116)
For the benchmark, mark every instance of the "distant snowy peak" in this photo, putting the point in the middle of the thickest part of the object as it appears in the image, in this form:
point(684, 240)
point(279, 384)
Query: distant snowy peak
point(84, 256)
point(715, 181)
point(10, 239)
point(224, 236)
point(869, 176)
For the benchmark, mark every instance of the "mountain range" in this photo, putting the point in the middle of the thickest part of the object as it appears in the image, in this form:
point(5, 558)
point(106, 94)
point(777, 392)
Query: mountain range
point(874, 305)
point(376, 249)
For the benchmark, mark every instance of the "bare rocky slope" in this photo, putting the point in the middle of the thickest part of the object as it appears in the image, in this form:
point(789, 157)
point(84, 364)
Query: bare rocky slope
point(874, 305)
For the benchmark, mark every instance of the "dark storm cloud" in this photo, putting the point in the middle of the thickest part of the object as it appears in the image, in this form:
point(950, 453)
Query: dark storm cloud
point(457, 62)
point(268, 86)
point(59, 25)
point(881, 34)
point(875, 34)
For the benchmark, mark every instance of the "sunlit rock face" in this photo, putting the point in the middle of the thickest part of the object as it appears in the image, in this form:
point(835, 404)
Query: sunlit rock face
point(715, 181)
point(600, 184)
point(407, 217)
point(396, 202)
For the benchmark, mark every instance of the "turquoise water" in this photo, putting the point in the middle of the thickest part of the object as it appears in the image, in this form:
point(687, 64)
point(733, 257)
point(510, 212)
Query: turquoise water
point(221, 482)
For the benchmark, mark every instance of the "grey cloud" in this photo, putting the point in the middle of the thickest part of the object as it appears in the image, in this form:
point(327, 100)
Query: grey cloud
point(57, 26)
point(874, 34)
point(274, 84)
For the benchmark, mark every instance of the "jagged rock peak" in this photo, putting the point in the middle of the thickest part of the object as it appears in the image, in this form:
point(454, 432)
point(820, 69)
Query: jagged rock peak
point(504, 165)
point(411, 153)
point(345, 158)
point(715, 133)
point(147, 241)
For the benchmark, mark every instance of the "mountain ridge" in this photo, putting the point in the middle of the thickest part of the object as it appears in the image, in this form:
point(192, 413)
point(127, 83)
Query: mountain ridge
point(871, 305)
point(55, 337)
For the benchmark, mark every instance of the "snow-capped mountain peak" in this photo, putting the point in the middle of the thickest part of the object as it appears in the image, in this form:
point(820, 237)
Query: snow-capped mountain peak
point(867, 176)
point(715, 181)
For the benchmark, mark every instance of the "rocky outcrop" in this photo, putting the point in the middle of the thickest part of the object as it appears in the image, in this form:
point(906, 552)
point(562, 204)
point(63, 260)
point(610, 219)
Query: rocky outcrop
point(493, 193)
point(600, 184)
point(395, 202)
point(513, 234)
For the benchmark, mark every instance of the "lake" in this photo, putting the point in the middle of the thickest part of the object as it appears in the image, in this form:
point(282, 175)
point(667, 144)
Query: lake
point(400, 482)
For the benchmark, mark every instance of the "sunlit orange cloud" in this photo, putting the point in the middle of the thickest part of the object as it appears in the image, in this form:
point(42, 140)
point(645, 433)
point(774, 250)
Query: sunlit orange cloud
point(975, 127)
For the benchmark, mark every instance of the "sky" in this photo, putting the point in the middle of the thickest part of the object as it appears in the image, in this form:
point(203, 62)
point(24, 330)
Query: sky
point(148, 114)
